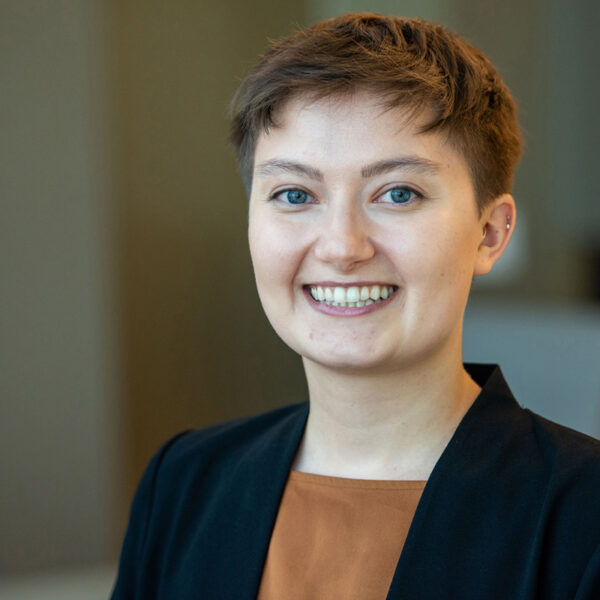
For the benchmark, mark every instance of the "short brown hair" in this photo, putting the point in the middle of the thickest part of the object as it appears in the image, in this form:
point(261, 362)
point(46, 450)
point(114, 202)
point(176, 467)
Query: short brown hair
point(410, 63)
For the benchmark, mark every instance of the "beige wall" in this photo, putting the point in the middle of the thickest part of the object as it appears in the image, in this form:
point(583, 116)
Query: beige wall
point(58, 349)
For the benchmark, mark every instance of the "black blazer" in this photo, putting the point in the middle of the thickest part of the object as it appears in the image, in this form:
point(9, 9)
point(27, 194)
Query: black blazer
point(511, 510)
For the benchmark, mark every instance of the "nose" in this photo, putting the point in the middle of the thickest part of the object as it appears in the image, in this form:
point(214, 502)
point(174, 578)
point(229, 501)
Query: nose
point(344, 240)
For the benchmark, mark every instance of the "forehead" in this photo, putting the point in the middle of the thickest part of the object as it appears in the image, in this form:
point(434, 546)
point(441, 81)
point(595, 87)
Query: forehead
point(346, 132)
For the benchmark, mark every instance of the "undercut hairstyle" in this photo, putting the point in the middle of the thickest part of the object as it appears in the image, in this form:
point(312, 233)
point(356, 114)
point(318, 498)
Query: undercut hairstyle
point(409, 63)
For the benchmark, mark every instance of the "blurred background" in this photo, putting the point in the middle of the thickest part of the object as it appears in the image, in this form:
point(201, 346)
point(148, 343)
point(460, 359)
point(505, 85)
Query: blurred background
point(127, 305)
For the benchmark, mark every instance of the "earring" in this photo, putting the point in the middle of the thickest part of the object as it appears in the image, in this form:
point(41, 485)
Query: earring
point(507, 222)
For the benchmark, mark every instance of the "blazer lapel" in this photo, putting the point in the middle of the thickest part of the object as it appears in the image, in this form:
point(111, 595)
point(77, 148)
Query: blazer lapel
point(250, 507)
point(456, 541)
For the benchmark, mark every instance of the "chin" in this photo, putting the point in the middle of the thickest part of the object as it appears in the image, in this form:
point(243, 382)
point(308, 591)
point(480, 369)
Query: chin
point(347, 361)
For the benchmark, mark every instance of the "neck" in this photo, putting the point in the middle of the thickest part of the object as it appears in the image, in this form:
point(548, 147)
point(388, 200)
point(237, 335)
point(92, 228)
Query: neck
point(385, 425)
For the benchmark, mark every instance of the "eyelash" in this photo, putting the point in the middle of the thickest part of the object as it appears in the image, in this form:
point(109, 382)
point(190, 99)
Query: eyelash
point(276, 196)
point(416, 196)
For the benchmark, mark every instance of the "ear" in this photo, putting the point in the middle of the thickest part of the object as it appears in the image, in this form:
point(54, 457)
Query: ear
point(498, 223)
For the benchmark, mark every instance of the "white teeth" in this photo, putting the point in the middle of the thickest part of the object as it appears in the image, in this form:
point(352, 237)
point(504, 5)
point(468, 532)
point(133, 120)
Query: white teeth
point(352, 296)
point(339, 294)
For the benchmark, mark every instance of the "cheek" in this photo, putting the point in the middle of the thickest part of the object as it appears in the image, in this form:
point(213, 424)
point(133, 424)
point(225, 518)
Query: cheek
point(438, 259)
point(274, 251)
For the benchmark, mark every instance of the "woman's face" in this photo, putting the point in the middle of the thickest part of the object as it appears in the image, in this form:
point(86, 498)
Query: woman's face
point(347, 201)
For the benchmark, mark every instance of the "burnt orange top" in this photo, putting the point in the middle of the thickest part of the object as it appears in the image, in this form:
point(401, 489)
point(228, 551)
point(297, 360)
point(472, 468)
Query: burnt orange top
point(337, 538)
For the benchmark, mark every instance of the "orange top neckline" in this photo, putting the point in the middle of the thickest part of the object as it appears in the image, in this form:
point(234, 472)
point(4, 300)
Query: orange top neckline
point(370, 484)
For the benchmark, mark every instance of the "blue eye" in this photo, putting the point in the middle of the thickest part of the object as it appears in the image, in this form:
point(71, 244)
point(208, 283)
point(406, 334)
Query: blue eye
point(401, 195)
point(293, 196)
point(296, 196)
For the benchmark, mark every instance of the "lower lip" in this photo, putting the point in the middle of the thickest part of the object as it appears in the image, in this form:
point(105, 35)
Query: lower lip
point(346, 311)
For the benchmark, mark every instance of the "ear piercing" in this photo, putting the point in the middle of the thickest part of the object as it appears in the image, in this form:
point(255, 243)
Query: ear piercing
point(507, 226)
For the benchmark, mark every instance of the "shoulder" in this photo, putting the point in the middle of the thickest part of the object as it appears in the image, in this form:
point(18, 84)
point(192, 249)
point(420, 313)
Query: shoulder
point(202, 452)
point(570, 458)
point(194, 485)
point(566, 469)
point(543, 445)
point(508, 451)
point(562, 442)
point(553, 470)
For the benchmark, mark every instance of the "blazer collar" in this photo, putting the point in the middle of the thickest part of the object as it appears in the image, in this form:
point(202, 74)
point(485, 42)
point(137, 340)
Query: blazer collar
point(260, 479)
point(465, 508)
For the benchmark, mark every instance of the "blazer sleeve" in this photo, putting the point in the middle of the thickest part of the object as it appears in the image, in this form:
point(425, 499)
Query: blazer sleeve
point(589, 588)
point(131, 563)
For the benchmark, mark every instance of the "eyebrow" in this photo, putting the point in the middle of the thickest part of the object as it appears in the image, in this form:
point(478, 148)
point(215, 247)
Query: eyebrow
point(272, 167)
point(415, 164)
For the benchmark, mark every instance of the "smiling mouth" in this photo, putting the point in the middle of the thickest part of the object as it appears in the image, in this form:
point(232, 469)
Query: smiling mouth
point(352, 296)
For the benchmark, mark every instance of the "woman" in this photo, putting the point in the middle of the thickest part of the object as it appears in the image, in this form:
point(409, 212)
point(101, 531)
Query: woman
point(378, 154)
